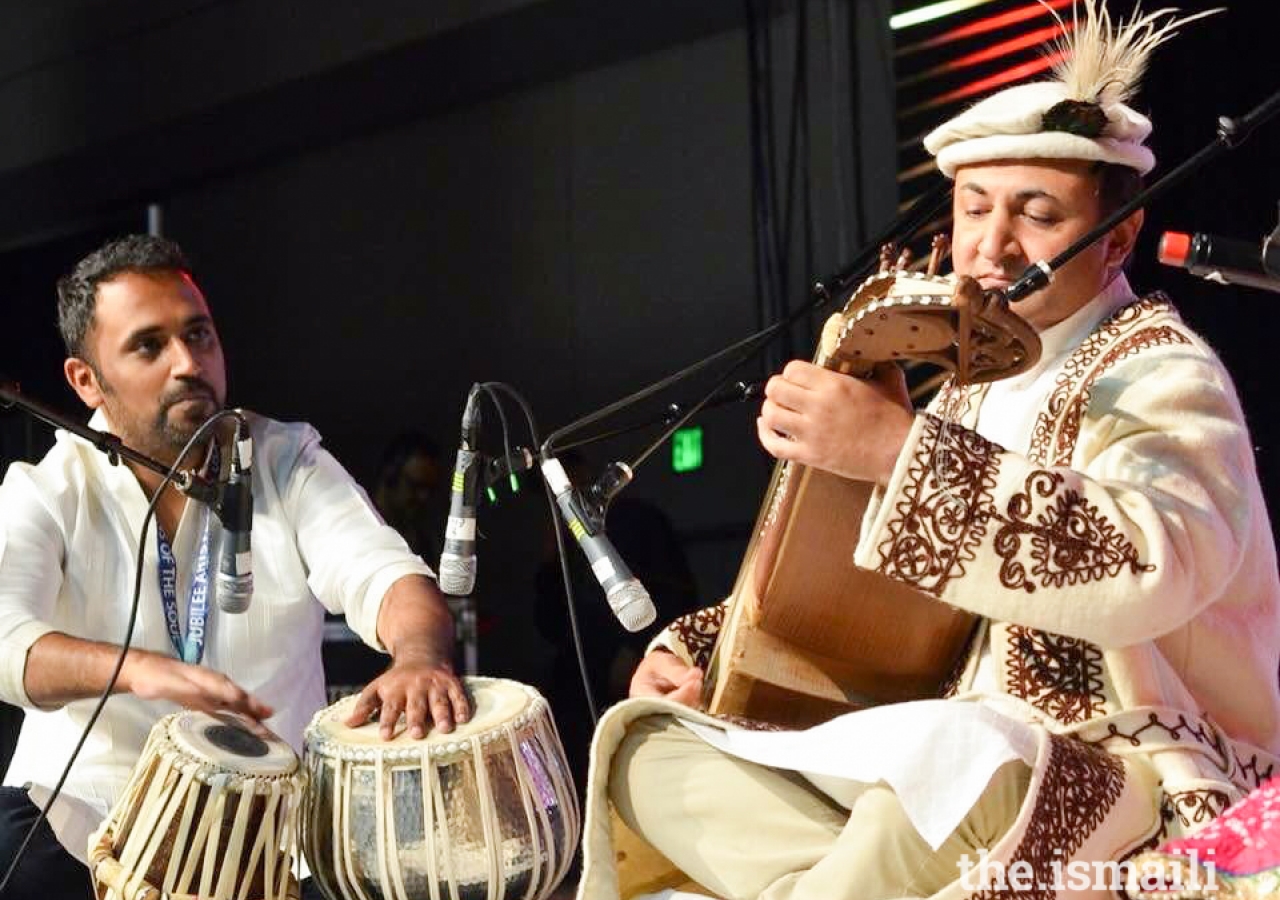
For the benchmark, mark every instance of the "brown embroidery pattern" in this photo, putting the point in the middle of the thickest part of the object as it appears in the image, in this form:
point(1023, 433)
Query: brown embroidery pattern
point(750, 724)
point(1073, 370)
point(1060, 676)
point(951, 684)
point(954, 401)
point(946, 502)
point(697, 632)
point(1071, 542)
point(1069, 432)
point(1190, 809)
point(1180, 730)
point(1195, 808)
point(1251, 772)
point(1080, 786)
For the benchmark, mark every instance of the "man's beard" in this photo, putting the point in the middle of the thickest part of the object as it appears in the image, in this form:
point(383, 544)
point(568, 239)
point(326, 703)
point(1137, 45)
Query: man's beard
point(177, 430)
point(167, 432)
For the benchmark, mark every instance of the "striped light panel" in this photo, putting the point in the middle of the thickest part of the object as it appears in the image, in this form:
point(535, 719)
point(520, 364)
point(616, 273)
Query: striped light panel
point(951, 53)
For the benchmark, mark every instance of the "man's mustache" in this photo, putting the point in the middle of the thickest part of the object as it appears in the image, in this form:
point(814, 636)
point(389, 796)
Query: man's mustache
point(197, 390)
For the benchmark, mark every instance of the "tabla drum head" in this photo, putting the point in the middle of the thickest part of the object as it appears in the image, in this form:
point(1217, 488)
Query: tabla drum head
point(226, 740)
point(493, 701)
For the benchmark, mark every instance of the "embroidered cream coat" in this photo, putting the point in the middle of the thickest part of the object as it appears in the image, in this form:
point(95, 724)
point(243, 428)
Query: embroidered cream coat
point(1126, 571)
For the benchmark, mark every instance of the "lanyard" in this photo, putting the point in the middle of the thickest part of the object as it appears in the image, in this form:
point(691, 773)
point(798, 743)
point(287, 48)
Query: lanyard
point(191, 648)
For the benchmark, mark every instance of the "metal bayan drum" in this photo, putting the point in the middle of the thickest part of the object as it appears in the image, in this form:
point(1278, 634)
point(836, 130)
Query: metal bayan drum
point(487, 811)
point(211, 811)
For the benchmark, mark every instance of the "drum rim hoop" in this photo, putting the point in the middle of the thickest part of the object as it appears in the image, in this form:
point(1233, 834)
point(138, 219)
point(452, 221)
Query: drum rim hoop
point(315, 743)
point(166, 746)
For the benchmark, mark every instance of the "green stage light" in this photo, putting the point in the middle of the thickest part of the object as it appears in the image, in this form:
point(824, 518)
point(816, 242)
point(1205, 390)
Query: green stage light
point(686, 450)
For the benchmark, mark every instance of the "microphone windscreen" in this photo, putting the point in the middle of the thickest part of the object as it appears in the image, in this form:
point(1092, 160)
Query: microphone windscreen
point(631, 604)
point(457, 575)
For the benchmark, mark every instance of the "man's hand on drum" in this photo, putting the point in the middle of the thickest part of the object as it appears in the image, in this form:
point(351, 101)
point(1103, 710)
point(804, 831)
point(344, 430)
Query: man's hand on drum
point(851, 427)
point(663, 674)
point(424, 690)
point(153, 676)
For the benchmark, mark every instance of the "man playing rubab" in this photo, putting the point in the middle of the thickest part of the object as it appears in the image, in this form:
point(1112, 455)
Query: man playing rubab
point(1100, 513)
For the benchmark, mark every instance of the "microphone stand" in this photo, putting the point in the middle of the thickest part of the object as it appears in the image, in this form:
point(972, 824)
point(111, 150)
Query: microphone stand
point(188, 481)
point(735, 393)
point(824, 292)
point(1231, 134)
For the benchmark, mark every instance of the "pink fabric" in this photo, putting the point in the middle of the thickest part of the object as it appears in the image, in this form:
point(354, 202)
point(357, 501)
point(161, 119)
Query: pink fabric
point(1244, 840)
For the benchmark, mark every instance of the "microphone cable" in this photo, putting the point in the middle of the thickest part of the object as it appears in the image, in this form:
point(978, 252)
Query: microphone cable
point(168, 478)
point(492, 389)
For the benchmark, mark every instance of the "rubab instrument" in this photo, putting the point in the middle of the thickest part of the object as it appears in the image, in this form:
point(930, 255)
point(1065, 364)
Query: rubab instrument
point(808, 634)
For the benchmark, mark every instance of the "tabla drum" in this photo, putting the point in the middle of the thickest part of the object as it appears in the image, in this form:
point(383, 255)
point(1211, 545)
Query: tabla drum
point(485, 812)
point(210, 812)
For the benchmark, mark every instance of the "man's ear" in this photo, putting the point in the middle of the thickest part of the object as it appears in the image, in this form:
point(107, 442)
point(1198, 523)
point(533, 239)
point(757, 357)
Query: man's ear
point(83, 380)
point(1123, 237)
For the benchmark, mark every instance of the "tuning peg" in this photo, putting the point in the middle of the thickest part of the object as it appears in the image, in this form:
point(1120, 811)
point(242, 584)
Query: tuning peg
point(938, 252)
point(887, 253)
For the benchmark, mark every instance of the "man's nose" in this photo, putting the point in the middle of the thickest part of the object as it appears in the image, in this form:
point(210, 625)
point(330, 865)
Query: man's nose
point(183, 362)
point(998, 242)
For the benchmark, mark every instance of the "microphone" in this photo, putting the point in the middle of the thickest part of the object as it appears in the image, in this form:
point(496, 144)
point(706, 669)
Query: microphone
point(234, 581)
point(458, 560)
point(1224, 260)
point(627, 597)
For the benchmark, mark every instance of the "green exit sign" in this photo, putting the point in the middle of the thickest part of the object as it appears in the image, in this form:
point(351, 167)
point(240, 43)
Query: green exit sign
point(686, 450)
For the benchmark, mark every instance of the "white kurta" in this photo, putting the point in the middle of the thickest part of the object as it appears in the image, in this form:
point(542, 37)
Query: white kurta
point(68, 539)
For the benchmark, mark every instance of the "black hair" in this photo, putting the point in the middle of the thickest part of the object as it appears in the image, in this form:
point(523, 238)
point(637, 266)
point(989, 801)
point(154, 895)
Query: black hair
point(78, 291)
point(1117, 185)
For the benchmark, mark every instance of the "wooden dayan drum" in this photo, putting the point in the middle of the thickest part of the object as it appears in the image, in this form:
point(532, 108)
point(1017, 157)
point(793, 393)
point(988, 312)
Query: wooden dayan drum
point(808, 634)
point(211, 811)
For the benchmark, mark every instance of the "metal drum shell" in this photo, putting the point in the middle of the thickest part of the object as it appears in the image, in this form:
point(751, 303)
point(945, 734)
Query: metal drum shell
point(488, 811)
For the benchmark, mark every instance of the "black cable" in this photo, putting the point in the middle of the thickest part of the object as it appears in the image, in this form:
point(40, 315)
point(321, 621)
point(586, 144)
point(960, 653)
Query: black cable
point(829, 290)
point(128, 636)
point(558, 528)
point(487, 387)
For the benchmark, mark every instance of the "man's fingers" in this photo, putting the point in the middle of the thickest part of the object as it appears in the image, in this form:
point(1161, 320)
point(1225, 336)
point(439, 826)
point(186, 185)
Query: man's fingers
point(689, 692)
point(782, 420)
point(785, 393)
point(667, 675)
point(441, 711)
point(390, 716)
point(802, 374)
point(415, 716)
point(223, 693)
point(364, 707)
point(777, 446)
point(461, 705)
